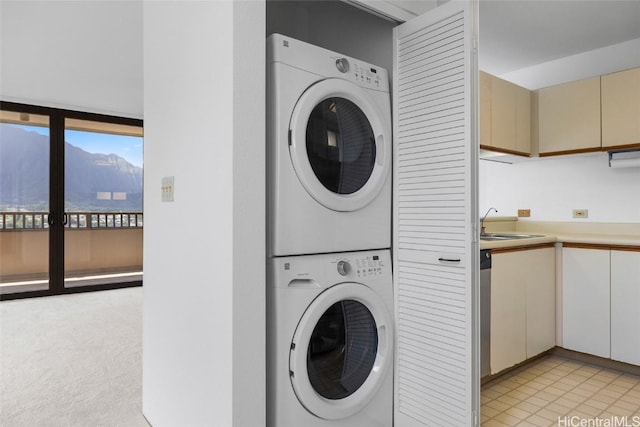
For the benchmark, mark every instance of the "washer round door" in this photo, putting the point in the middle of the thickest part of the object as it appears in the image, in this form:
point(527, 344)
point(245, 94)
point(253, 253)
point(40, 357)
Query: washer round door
point(341, 351)
point(340, 145)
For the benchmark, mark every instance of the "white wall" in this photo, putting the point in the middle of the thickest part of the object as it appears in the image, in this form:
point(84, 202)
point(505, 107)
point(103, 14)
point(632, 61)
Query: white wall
point(204, 254)
point(72, 54)
point(553, 186)
point(593, 63)
point(336, 26)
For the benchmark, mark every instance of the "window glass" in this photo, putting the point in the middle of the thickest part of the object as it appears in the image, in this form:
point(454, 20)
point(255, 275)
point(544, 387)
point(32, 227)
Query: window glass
point(103, 185)
point(24, 201)
point(342, 349)
point(340, 145)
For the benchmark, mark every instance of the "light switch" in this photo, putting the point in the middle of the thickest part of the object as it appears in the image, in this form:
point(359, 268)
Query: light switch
point(167, 189)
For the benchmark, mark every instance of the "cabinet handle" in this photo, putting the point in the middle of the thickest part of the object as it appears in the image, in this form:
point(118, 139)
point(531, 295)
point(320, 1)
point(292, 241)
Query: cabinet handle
point(449, 260)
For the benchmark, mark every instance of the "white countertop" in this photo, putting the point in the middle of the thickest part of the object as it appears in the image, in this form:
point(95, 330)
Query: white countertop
point(594, 239)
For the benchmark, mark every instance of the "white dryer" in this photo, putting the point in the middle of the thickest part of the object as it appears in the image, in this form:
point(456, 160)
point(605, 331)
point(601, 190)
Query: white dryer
point(330, 340)
point(328, 150)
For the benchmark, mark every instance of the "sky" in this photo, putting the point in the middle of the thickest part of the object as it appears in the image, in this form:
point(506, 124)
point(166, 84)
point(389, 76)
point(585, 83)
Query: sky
point(128, 147)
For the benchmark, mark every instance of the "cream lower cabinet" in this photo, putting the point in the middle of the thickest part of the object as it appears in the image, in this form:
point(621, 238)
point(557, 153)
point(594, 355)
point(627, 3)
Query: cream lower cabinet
point(522, 304)
point(586, 300)
point(541, 300)
point(625, 306)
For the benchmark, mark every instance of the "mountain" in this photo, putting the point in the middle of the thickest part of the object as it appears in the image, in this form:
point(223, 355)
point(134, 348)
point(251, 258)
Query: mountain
point(93, 182)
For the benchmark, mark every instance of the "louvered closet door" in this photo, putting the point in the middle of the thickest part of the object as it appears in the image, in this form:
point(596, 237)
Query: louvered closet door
point(435, 218)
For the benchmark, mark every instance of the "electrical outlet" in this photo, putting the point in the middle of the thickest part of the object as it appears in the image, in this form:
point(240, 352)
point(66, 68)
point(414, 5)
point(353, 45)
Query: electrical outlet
point(581, 213)
point(524, 213)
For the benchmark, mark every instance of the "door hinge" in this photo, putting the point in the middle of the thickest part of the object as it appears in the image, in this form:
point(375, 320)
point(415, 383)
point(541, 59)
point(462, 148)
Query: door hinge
point(475, 44)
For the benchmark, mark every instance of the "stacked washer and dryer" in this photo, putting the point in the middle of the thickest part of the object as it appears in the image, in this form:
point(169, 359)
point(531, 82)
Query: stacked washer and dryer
point(330, 334)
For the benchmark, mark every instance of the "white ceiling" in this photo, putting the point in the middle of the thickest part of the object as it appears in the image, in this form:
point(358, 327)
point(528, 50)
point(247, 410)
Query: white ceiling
point(516, 34)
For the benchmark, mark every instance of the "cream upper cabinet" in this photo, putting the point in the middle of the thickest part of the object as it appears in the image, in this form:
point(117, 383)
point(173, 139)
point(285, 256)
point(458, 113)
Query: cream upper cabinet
point(505, 116)
point(569, 117)
point(523, 120)
point(485, 109)
point(621, 109)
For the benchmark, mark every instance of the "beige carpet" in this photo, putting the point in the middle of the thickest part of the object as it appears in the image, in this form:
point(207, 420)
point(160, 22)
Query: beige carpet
point(73, 360)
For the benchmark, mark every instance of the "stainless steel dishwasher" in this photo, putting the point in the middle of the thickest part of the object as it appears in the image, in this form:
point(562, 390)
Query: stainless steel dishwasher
point(485, 312)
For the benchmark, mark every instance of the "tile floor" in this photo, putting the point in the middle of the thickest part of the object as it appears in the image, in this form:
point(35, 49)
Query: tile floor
point(554, 391)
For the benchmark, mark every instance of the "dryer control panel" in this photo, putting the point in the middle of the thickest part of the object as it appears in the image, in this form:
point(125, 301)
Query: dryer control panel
point(325, 63)
point(366, 74)
point(363, 74)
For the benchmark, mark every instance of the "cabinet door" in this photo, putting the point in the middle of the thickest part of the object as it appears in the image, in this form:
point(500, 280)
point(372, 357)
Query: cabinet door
point(625, 306)
point(569, 117)
point(539, 275)
point(508, 311)
point(503, 114)
point(523, 120)
point(621, 109)
point(434, 214)
point(485, 109)
point(586, 314)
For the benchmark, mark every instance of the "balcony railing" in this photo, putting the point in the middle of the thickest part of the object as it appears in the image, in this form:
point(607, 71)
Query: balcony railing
point(100, 247)
point(74, 220)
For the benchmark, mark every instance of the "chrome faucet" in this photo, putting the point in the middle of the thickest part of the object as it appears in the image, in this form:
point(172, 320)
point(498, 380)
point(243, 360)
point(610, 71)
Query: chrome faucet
point(482, 229)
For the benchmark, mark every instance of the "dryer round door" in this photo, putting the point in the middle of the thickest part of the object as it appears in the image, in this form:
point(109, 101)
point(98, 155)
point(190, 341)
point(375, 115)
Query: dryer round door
point(340, 145)
point(341, 351)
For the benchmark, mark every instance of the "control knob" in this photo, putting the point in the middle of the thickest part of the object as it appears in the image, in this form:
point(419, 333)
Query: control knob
point(344, 268)
point(342, 65)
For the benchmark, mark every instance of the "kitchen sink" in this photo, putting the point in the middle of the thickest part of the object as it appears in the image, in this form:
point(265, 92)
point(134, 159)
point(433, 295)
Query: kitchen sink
point(507, 236)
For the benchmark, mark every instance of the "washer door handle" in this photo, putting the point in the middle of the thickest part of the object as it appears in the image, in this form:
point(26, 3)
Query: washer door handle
point(303, 283)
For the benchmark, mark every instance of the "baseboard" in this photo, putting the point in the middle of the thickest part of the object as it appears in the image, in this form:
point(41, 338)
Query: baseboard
point(602, 362)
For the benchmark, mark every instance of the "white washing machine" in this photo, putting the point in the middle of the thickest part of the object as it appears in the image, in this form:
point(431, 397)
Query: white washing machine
point(330, 340)
point(328, 151)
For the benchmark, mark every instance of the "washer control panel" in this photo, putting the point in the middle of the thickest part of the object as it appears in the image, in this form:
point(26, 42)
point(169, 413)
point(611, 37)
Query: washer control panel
point(361, 266)
point(322, 270)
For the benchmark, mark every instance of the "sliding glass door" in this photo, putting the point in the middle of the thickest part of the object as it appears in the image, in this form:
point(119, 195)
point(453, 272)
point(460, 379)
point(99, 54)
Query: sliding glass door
point(70, 201)
point(102, 203)
point(24, 201)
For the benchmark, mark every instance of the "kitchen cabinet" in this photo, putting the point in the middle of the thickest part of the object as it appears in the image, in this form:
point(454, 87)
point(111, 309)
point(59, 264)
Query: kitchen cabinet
point(484, 112)
point(505, 116)
point(625, 303)
point(540, 282)
point(522, 304)
point(586, 300)
point(508, 311)
point(621, 109)
point(569, 117)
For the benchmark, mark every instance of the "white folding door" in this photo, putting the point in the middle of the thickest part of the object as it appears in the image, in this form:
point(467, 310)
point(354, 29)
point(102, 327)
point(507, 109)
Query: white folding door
point(435, 218)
